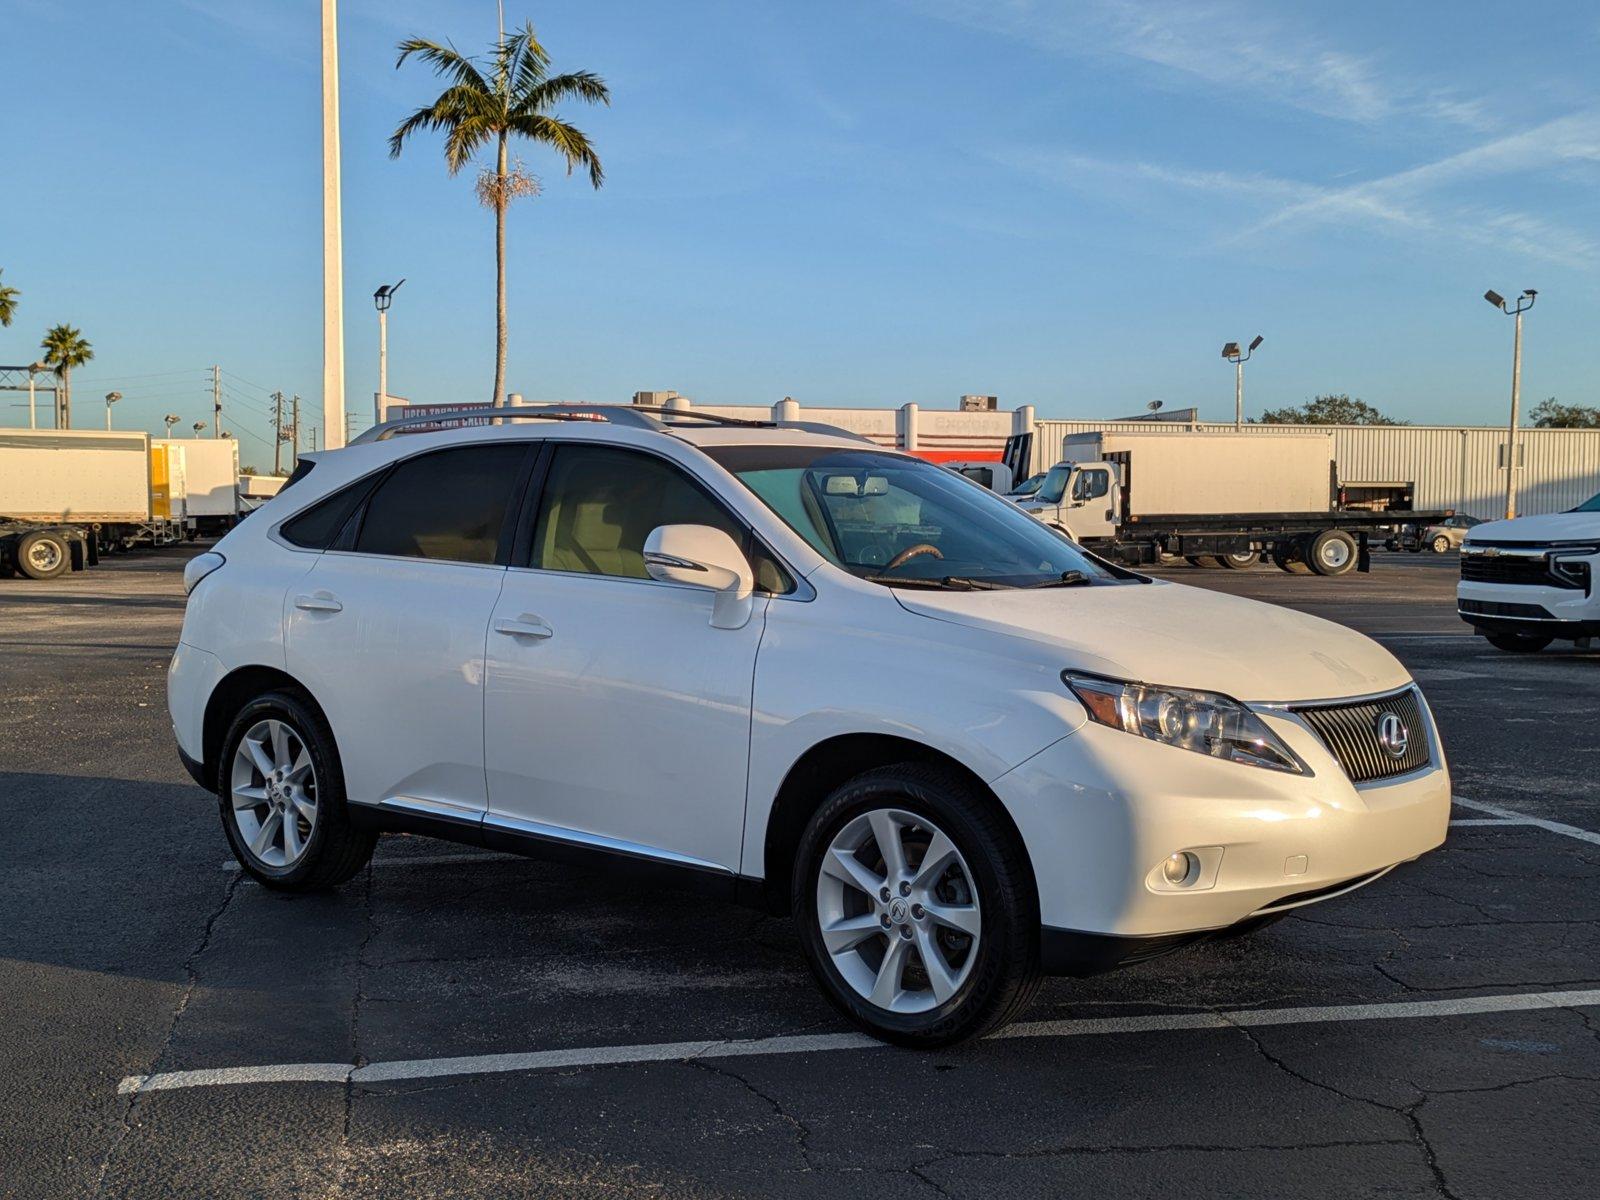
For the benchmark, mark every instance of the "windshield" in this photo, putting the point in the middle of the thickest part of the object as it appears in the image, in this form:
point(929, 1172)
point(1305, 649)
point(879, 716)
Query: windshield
point(1028, 486)
point(904, 522)
point(1592, 504)
point(1055, 484)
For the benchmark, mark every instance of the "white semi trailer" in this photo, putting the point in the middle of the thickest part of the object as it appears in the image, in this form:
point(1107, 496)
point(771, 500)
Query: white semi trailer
point(65, 493)
point(1144, 497)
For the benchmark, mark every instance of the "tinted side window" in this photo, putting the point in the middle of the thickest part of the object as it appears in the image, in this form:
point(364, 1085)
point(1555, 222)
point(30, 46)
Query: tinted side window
point(600, 504)
point(450, 504)
point(318, 526)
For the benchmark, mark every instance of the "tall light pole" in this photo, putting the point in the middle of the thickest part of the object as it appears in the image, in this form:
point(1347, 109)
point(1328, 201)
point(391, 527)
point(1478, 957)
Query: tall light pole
point(198, 427)
point(1238, 358)
point(381, 300)
point(1524, 303)
point(332, 236)
point(111, 398)
point(170, 420)
point(33, 412)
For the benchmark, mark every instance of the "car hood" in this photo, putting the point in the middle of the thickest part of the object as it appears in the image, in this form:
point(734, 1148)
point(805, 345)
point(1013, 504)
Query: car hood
point(1552, 527)
point(1182, 636)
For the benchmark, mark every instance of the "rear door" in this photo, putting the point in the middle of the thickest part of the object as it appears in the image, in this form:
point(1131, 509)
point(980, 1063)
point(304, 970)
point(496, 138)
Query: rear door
point(388, 628)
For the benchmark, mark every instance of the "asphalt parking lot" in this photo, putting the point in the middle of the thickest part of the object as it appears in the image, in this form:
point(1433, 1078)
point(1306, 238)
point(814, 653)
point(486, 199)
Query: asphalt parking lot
point(456, 1024)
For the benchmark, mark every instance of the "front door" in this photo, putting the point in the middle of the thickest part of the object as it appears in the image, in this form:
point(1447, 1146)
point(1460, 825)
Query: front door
point(615, 715)
point(388, 632)
point(1089, 511)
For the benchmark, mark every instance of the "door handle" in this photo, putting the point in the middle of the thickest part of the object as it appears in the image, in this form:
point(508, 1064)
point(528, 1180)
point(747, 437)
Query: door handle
point(527, 625)
point(318, 603)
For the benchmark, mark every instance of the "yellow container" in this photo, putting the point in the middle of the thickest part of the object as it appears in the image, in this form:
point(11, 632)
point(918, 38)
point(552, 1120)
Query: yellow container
point(160, 485)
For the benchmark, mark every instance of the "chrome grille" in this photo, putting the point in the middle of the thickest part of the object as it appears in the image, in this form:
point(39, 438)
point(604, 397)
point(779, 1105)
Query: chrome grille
point(1350, 730)
point(1518, 569)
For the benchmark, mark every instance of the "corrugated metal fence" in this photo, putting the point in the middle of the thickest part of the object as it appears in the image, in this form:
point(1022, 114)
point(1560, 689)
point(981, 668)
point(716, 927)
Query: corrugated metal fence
point(1459, 467)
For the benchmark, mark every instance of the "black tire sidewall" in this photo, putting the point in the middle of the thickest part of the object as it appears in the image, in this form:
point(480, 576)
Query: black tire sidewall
point(1009, 937)
point(1328, 538)
point(29, 540)
point(310, 728)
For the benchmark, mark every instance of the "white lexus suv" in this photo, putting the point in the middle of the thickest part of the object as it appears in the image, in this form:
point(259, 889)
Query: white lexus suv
point(828, 679)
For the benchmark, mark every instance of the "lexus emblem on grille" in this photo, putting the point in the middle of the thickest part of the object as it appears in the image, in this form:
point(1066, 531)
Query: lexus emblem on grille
point(1393, 735)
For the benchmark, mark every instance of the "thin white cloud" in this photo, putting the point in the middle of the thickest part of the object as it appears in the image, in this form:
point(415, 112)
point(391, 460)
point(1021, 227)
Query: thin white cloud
point(1428, 199)
point(1220, 44)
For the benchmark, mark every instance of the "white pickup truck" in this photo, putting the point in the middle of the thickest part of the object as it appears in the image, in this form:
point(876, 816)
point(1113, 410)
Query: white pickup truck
point(1531, 580)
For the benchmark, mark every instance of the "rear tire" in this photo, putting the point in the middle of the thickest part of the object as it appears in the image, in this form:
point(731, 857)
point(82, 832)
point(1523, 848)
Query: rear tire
point(1286, 557)
point(1332, 552)
point(1199, 560)
point(1241, 561)
point(1518, 643)
point(985, 884)
point(43, 555)
point(282, 800)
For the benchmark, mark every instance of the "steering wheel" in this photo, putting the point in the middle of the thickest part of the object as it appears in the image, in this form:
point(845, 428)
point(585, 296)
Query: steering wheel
point(910, 552)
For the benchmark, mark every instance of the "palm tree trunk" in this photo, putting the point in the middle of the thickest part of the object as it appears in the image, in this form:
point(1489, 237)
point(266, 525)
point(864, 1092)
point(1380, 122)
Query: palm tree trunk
point(500, 278)
point(64, 418)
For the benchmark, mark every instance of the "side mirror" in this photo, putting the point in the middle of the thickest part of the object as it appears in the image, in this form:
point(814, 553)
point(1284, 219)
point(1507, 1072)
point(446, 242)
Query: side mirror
point(703, 557)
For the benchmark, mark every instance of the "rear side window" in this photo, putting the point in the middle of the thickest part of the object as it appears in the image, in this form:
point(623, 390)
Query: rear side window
point(450, 504)
point(318, 527)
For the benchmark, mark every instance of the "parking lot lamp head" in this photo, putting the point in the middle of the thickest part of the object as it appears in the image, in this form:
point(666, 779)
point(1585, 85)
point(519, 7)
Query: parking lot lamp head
point(381, 299)
point(1495, 298)
point(111, 398)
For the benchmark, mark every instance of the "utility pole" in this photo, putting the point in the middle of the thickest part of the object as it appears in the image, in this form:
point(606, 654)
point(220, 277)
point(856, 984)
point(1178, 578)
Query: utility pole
point(216, 401)
point(277, 433)
point(332, 236)
point(294, 432)
point(1524, 303)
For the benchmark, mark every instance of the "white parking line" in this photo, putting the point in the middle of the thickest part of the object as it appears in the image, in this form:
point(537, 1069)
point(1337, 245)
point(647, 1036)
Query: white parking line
point(595, 1056)
point(1495, 810)
point(1486, 821)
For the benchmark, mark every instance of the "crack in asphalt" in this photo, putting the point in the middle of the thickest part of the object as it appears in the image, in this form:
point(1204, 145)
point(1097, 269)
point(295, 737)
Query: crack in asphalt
point(192, 981)
point(1408, 1113)
point(802, 1131)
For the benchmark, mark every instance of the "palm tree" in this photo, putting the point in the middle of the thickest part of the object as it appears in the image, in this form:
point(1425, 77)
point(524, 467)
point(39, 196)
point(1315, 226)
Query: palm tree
point(8, 303)
point(513, 99)
point(65, 348)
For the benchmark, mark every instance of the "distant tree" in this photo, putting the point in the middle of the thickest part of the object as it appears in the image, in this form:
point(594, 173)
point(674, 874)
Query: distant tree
point(64, 349)
point(1552, 414)
point(8, 303)
point(1329, 409)
point(511, 95)
point(247, 470)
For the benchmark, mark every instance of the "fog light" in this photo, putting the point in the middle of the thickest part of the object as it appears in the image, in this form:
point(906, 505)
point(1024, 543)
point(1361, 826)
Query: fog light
point(1180, 868)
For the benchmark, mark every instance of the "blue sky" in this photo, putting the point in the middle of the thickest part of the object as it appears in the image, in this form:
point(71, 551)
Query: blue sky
point(1068, 204)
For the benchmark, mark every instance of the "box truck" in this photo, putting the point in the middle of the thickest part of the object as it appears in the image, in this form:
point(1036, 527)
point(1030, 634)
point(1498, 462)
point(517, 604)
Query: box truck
point(210, 476)
point(1140, 498)
point(65, 494)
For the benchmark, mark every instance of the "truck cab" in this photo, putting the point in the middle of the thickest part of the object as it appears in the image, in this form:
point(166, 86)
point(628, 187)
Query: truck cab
point(1084, 498)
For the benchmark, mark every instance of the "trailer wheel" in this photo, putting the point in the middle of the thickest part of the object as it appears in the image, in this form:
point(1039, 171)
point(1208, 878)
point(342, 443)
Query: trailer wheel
point(1286, 557)
point(1199, 560)
point(1332, 552)
point(1240, 561)
point(43, 555)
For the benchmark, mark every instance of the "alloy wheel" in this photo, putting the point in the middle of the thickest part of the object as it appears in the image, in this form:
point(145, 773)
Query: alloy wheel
point(274, 792)
point(897, 909)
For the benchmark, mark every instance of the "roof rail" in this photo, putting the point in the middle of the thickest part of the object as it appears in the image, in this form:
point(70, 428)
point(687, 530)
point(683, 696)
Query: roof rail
point(638, 416)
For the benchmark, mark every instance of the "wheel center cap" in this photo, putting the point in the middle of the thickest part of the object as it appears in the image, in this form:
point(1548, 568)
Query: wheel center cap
point(899, 910)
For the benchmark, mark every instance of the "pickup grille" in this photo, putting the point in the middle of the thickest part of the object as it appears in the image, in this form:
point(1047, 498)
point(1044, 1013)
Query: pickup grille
point(1350, 730)
point(1506, 568)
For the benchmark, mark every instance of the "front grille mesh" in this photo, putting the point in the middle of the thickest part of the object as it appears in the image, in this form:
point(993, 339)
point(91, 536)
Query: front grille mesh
point(1531, 572)
point(1350, 731)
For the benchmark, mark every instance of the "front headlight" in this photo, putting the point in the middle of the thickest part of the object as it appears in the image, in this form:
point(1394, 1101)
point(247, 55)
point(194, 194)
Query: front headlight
point(1205, 722)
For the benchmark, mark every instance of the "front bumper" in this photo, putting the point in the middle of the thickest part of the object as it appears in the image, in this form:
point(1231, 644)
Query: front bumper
point(1521, 608)
point(1101, 811)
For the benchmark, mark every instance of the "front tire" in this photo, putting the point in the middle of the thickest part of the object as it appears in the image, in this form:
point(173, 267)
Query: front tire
point(1441, 545)
point(916, 907)
point(1518, 643)
point(280, 789)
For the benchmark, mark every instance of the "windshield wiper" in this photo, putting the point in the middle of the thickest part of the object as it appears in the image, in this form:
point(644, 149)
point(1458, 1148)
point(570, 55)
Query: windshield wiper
point(954, 583)
point(1066, 579)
